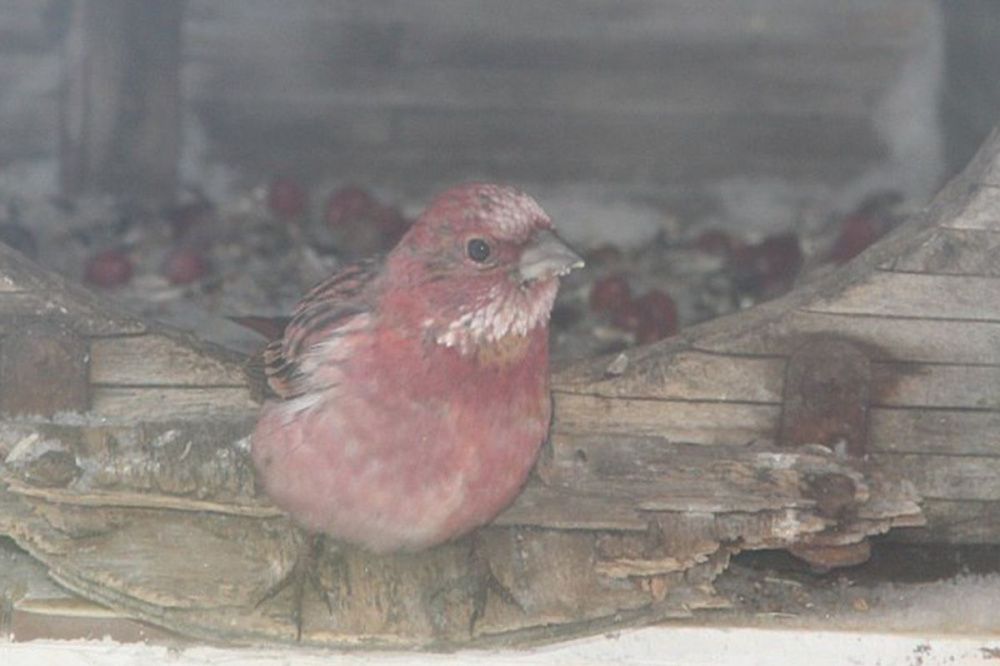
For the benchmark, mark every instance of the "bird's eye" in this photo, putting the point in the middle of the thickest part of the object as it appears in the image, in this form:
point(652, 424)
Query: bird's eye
point(478, 250)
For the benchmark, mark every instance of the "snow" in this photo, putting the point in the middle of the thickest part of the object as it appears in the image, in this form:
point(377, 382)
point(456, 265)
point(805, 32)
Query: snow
point(667, 646)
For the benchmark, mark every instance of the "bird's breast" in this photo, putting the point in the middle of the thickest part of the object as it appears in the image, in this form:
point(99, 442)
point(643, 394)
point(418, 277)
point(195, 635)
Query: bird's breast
point(410, 451)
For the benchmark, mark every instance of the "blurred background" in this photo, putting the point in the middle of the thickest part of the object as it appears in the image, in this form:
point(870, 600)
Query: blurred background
point(666, 99)
point(630, 121)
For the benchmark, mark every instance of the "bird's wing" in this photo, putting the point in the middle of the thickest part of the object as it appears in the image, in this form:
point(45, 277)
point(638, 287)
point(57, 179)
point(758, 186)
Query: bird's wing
point(317, 334)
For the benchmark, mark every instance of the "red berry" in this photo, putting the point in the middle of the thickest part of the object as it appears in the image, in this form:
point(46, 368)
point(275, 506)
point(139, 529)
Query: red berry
point(286, 198)
point(610, 293)
point(185, 265)
point(347, 205)
point(627, 316)
point(109, 268)
point(657, 317)
point(857, 232)
point(781, 256)
point(715, 241)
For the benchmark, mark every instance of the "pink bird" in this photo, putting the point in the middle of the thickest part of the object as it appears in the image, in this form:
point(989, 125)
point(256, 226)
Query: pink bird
point(411, 396)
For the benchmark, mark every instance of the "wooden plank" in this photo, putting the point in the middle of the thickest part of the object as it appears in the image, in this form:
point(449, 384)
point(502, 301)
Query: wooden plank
point(781, 141)
point(16, 306)
point(143, 500)
point(917, 408)
point(29, 291)
point(913, 340)
point(666, 91)
point(924, 385)
point(120, 113)
point(787, 22)
point(611, 505)
point(153, 404)
point(956, 297)
point(707, 423)
point(985, 166)
point(981, 210)
point(571, 510)
point(684, 375)
point(153, 359)
point(699, 376)
point(956, 478)
point(932, 431)
point(580, 135)
point(950, 521)
point(948, 251)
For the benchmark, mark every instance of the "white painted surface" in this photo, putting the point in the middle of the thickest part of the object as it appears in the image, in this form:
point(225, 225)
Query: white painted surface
point(668, 646)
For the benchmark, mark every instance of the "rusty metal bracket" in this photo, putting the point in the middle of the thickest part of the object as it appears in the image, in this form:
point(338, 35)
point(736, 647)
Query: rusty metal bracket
point(44, 369)
point(827, 395)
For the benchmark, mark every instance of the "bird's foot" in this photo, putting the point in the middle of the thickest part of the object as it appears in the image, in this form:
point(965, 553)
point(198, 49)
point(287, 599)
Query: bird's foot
point(305, 573)
point(486, 583)
point(475, 587)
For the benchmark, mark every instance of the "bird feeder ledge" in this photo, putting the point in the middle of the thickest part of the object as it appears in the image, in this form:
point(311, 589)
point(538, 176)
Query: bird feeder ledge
point(862, 403)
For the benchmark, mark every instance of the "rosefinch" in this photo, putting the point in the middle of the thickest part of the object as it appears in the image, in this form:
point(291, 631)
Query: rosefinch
point(412, 395)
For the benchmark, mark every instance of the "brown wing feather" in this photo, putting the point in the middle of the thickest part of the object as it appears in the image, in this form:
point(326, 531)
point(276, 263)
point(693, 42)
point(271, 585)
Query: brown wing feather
point(325, 308)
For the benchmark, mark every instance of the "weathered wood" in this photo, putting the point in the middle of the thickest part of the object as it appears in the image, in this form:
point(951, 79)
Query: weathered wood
point(936, 431)
point(144, 403)
point(663, 461)
point(682, 375)
point(158, 360)
point(904, 340)
point(917, 295)
point(652, 93)
point(699, 376)
point(979, 210)
point(926, 322)
point(698, 422)
point(920, 385)
point(102, 537)
point(955, 522)
point(17, 306)
point(947, 251)
point(948, 477)
point(28, 291)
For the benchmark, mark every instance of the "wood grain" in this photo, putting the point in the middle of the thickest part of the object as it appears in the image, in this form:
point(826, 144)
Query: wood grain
point(981, 210)
point(158, 360)
point(973, 478)
point(146, 403)
point(917, 295)
point(915, 340)
point(936, 385)
point(945, 251)
point(680, 421)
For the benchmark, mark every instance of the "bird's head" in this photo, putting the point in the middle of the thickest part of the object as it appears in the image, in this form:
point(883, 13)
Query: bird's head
point(481, 263)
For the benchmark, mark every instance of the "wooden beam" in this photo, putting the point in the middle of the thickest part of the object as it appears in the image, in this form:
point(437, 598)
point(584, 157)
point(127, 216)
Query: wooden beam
point(120, 105)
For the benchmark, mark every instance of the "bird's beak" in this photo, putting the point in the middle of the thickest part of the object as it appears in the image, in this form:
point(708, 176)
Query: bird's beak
point(545, 257)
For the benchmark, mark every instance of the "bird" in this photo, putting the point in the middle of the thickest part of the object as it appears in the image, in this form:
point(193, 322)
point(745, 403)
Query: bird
point(409, 395)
